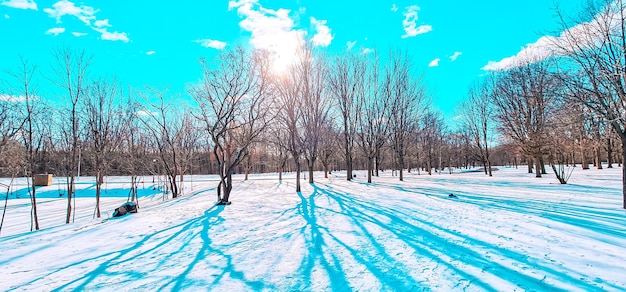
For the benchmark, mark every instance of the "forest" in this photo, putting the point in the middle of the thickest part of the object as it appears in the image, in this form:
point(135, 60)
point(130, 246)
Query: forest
point(324, 112)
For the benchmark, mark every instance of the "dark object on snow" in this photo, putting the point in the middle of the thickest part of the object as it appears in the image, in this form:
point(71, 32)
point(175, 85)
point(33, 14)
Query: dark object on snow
point(452, 196)
point(354, 175)
point(128, 207)
point(223, 203)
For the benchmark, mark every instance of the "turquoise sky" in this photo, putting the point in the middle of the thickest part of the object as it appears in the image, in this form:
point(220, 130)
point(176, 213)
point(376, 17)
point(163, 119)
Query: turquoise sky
point(157, 43)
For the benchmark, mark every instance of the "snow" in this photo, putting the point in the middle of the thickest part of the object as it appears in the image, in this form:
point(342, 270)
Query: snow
point(509, 232)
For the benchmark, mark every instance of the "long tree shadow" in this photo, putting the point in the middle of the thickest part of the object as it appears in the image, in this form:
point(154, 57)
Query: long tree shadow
point(170, 245)
point(316, 248)
point(432, 245)
point(579, 216)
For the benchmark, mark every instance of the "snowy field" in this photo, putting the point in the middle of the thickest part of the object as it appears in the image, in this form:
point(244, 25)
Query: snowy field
point(510, 232)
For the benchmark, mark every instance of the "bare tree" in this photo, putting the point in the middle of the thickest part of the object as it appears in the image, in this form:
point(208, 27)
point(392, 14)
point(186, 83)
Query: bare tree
point(70, 73)
point(372, 112)
point(477, 112)
point(26, 88)
point(103, 113)
point(406, 94)
point(165, 123)
point(523, 99)
point(344, 79)
point(593, 45)
point(235, 108)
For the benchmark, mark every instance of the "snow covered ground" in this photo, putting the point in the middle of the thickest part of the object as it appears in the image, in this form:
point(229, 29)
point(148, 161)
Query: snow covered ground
point(510, 232)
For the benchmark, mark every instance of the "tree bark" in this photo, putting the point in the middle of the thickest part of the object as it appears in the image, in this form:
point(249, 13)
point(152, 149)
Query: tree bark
point(537, 166)
point(623, 138)
point(609, 150)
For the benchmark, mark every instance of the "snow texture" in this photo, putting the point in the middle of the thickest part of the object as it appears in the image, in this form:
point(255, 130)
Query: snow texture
point(510, 232)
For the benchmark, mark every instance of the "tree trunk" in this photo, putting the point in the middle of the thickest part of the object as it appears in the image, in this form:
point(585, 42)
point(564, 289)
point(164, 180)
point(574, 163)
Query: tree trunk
point(609, 150)
point(485, 167)
point(98, 188)
point(227, 188)
point(34, 205)
point(348, 163)
point(529, 161)
point(370, 164)
point(537, 166)
point(598, 158)
point(311, 173)
point(298, 189)
point(70, 192)
point(623, 138)
point(585, 162)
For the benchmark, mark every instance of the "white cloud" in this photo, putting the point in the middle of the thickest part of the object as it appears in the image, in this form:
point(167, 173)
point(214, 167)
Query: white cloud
point(394, 7)
point(580, 36)
point(112, 36)
point(272, 30)
point(366, 51)
point(12, 98)
point(20, 4)
point(7, 16)
point(84, 13)
point(539, 50)
point(434, 63)
point(149, 53)
point(87, 15)
point(350, 45)
point(322, 37)
point(79, 34)
point(209, 43)
point(455, 55)
point(144, 113)
point(410, 22)
point(56, 31)
point(102, 23)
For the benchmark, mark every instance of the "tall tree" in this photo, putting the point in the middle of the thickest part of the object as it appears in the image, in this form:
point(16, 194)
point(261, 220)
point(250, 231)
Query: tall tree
point(165, 122)
point(593, 45)
point(344, 79)
point(103, 113)
point(477, 112)
point(24, 77)
point(406, 94)
point(70, 74)
point(524, 98)
point(235, 108)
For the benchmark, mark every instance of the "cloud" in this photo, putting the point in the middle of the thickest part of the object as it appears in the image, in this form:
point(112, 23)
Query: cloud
point(87, 15)
point(112, 36)
point(394, 7)
point(272, 30)
point(434, 63)
point(350, 45)
point(12, 98)
point(581, 36)
point(410, 22)
point(322, 37)
point(539, 50)
point(209, 43)
point(20, 4)
point(146, 113)
point(150, 53)
point(102, 23)
point(455, 55)
point(365, 51)
point(7, 16)
point(79, 34)
point(56, 31)
point(61, 8)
